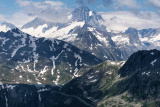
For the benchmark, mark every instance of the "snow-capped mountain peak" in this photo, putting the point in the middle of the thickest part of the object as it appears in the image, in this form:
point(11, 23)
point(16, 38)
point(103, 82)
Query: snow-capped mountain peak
point(83, 13)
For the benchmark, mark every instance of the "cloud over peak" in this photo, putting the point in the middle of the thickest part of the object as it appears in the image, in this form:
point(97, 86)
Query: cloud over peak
point(51, 11)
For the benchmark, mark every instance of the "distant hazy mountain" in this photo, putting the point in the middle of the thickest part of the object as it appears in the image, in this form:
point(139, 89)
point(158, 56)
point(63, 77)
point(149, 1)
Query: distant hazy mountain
point(133, 40)
point(4, 27)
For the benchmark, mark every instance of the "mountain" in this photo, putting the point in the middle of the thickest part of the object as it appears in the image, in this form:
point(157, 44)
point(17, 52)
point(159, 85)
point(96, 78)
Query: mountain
point(150, 38)
point(134, 83)
point(84, 28)
point(63, 31)
point(133, 40)
point(129, 41)
point(99, 43)
point(82, 91)
point(83, 13)
point(39, 60)
point(83, 31)
point(4, 26)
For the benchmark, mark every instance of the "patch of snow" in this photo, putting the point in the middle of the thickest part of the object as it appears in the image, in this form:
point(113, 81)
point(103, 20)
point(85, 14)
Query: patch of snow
point(155, 38)
point(75, 72)
point(90, 29)
point(144, 73)
point(35, 55)
point(78, 58)
point(97, 71)
point(4, 28)
point(113, 63)
point(26, 61)
point(63, 33)
point(6, 101)
point(28, 80)
point(45, 69)
point(28, 69)
point(57, 79)
point(20, 46)
point(57, 42)
point(93, 80)
point(152, 63)
point(41, 90)
point(4, 41)
point(68, 49)
point(10, 86)
point(120, 40)
point(20, 76)
point(90, 48)
point(39, 96)
point(98, 45)
point(65, 45)
point(53, 58)
point(90, 77)
point(90, 13)
point(22, 67)
point(109, 73)
point(39, 83)
point(38, 32)
point(105, 57)
point(152, 53)
point(101, 38)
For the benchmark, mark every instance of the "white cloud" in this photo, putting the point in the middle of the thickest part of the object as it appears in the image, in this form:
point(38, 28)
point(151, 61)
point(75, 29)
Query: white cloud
point(52, 11)
point(23, 2)
point(128, 3)
point(154, 3)
point(54, 3)
point(2, 18)
point(20, 18)
point(122, 20)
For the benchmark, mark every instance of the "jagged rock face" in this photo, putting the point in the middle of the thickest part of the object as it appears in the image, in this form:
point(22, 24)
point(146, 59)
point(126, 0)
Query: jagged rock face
point(99, 43)
point(40, 60)
point(83, 13)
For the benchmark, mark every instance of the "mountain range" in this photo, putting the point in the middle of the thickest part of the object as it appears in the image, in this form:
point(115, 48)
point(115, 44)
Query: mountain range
point(84, 31)
point(83, 64)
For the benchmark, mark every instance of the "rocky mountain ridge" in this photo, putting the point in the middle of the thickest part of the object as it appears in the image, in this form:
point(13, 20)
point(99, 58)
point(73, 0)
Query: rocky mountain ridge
point(39, 60)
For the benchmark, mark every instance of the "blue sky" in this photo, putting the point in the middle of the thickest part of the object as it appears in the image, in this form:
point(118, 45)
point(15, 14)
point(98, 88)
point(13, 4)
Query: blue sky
point(15, 11)
point(11, 6)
